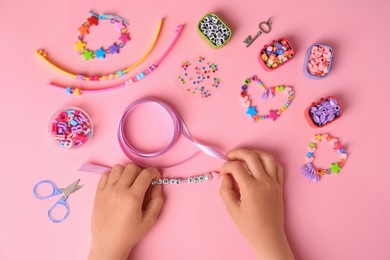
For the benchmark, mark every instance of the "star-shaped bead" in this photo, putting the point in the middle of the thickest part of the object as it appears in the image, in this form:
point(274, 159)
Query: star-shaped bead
point(100, 53)
point(335, 168)
point(251, 111)
point(114, 48)
point(88, 54)
point(83, 29)
point(273, 114)
point(80, 45)
point(124, 38)
point(93, 20)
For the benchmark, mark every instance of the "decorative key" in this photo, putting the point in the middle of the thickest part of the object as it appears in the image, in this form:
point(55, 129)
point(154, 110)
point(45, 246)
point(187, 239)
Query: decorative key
point(249, 40)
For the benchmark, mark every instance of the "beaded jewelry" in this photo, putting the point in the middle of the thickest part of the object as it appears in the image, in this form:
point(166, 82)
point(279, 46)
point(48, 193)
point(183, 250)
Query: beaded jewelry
point(77, 90)
point(312, 173)
point(114, 75)
point(267, 92)
point(120, 25)
point(180, 128)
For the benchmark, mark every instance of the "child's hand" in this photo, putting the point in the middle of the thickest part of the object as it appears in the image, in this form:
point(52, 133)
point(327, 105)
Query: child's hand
point(257, 207)
point(122, 215)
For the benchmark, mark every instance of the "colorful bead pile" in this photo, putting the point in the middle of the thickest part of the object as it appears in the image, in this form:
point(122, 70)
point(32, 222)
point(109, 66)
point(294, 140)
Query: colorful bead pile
point(312, 173)
point(325, 112)
point(276, 54)
point(319, 61)
point(119, 25)
point(214, 30)
point(200, 79)
point(267, 92)
point(71, 127)
point(209, 176)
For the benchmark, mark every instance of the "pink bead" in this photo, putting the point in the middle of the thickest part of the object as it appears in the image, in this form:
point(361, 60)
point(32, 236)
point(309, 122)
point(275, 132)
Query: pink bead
point(244, 99)
point(333, 141)
point(215, 175)
point(343, 156)
point(247, 103)
point(309, 159)
point(311, 149)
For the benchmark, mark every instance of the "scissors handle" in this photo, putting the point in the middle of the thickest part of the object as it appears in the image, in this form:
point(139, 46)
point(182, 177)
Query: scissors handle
point(54, 192)
point(62, 202)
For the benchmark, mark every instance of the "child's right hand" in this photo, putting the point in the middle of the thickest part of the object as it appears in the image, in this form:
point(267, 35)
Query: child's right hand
point(257, 207)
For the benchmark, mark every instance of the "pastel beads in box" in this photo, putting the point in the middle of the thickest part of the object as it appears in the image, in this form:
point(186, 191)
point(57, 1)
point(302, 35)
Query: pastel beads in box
point(276, 54)
point(318, 61)
point(71, 127)
point(323, 112)
point(214, 30)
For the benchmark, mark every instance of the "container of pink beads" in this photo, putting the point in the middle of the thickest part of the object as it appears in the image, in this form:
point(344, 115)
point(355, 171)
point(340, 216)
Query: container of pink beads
point(71, 127)
point(318, 61)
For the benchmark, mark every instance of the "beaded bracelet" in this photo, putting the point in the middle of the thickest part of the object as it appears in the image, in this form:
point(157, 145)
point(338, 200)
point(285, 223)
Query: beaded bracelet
point(267, 92)
point(208, 176)
point(77, 90)
point(120, 24)
point(313, 173)
point(114, 75)
point(179, 128)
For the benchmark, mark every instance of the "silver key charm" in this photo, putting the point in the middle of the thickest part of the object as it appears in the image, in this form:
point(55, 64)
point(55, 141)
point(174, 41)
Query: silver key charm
point(264, 27)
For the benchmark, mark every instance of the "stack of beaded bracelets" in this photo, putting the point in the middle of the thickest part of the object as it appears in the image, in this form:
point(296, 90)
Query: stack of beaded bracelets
point(267, 92)
point(312, 173)
point(209, 176)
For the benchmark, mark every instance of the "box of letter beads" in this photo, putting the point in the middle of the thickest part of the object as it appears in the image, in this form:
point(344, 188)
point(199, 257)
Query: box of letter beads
point(323, 112)
point(318, 61)
point(71, 127)
point(214, 30)
point(276, 54)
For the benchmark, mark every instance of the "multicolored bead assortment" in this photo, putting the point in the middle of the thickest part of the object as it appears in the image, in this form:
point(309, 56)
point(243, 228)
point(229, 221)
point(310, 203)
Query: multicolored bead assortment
point(214, 30)
point(71, 127)
point(276, 54)
point(313, 173)
point(119, 24)
point(209, 176)
point(319, 60)
point(201, 79)
point(267, 92)
point(325, 111)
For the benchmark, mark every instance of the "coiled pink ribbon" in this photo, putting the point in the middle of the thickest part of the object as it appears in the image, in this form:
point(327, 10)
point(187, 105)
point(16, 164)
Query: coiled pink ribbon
point(179, 127)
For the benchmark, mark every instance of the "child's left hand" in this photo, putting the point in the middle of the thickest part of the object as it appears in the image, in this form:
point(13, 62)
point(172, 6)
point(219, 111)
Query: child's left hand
point(122, 215)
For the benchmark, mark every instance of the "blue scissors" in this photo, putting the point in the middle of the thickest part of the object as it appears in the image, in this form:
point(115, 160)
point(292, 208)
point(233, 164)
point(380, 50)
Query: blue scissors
point(62, 201)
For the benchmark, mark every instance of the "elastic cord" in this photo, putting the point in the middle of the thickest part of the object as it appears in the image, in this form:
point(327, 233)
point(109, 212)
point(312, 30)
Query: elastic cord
point(179, 127)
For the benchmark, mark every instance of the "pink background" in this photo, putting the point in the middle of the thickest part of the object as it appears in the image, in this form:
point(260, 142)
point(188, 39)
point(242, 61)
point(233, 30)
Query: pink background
point(342, 217)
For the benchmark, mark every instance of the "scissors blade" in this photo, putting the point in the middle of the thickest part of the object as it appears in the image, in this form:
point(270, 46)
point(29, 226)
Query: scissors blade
point(72, 188)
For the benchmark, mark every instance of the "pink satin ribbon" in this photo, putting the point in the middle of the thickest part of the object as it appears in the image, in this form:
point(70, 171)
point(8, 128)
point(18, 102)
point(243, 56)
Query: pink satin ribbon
point(179, 127)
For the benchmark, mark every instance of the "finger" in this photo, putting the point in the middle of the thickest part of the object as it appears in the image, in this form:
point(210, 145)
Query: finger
point(280, 174)
point(239, 173)
point(252, 161)
point(143, 181)
point(155, 204)
point(102, 182)
point(229, 196)
point(268, 163)
point(129, 174)
point(115, 174)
